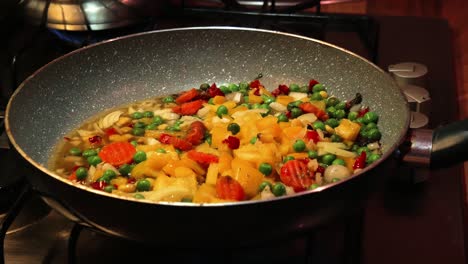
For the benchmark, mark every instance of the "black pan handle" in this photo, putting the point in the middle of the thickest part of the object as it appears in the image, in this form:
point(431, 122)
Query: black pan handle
point(450, 144)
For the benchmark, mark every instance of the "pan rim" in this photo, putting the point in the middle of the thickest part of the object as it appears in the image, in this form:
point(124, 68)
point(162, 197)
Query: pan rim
point(54, 175)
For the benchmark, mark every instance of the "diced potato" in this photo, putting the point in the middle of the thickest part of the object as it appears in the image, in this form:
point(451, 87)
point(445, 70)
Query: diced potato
point(247, 176)
point(206, 193)
point(123, 120)
point(284, 99)
point(120, 138)
point(212, 174)
point(142, 170)
point(348, 130)
point(219, 99)
point(180, 172)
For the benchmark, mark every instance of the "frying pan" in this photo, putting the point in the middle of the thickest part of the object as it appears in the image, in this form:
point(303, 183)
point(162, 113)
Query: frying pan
point(61, 95)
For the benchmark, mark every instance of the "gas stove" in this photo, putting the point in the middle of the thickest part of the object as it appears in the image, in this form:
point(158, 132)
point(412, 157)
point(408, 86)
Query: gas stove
point(403, 221)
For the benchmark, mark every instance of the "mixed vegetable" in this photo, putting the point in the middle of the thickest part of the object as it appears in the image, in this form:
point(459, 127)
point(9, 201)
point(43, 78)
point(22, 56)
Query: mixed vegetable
point(229, 143)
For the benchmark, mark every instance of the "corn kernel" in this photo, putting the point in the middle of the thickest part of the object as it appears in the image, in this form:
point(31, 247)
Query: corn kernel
point(323, 94)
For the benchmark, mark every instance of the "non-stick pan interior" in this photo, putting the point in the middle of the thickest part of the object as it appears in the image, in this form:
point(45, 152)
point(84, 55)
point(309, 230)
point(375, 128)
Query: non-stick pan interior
point(66, 92)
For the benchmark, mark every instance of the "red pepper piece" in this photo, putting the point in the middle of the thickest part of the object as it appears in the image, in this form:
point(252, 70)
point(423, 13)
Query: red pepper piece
point(282, 89)
point(214, 91)
point(178, 143)
point(99, 185)
point(313, 135)
point(95, 140)
point(232, 142)
point(196, 133)
point(187, 96)
point(312, 82)
point(110, 131)
point(229, 189)
point(363, 111)
point(189, 108)
point(202, 158)
point(310, 108)
point(254, 84)
point(131, 180)
point(321, 169)
point(360, 162)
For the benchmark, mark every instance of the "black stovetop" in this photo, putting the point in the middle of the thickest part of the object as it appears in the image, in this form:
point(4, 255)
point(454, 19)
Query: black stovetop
point(402, 223)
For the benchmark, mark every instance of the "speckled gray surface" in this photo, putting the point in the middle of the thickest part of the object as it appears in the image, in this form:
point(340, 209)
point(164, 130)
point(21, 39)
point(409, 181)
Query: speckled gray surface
point(64, 93)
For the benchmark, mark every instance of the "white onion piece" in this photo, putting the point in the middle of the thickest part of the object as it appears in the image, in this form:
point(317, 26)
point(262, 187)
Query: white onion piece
point(289, 190)
point(373, 145)
point(188, 120)
point(336, 171)
point(151, 141)
point(307, 118)
point(297, 96)
point(278, 107)
point(203, 111)
point(236, 97)
point(91, 172)
point(86, 133)
point(110, 119)
point(355, 108)
point(239, 114)
point(107, 166)
point(266, 194)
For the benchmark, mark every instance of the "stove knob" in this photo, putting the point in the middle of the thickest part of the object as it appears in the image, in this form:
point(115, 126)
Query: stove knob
point(420, 105)
point(409, 73)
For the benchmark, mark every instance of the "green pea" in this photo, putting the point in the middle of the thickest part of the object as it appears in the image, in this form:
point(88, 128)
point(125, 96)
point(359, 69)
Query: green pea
point(312, 154)
point(263, 185)
point(335, 180)
point(224, 89)
point(294, 87)
point(186, 200)
point(94, 160)
point(332, 122)
point(89, 153)
point(339, 162)
point(157, 120)
point(296, 112)
point(268, 99)
point(233, 87)
point(318, 87)
point(243, 86)
point(294, 104)
point(256, 106)
point(139, 125)
point(336, 138)
point(372, 158)
point(109, 174)
point(278, 189)
point(137, 115)
point(299, 145)
point(125, 169)
point(234, 128)
point(253, 140)
point(134, 143)
point(104, 179)
point(148, 114)
point(371, 117)
point(75, 151)
point(138, 196)
point(152, 126)
point(332, 101)
point(139, 156)
point(361, 149)
point(143, 185)
point(288, 158)
point(81, 173)
point(161, 150)
point(210, 101)
point(282, 118)
point(339, 114)
point(313, 186)
point(371, 125)
point(316, 97)
point(174, 127)
point(304, 89)
point(328, 158)
point(359, 120)
point(340, 106)
point(204, 86)
point(265, 168)
point(222, 110)
point(374, 134)
point(318, 125)
point(109, 188)
point(331, 110)
point(168, 99)
point(137, 131)
point(353, 115)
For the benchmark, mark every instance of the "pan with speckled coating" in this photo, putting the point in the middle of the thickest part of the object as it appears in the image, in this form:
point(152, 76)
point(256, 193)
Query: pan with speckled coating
point(64, 93)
